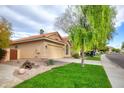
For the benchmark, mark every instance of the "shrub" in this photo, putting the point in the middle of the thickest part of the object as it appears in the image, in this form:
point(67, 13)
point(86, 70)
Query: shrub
point(50, 62)
point(75, 55)
point(2, 53)
point(116, 50)
point(88, 53)
point(27, 65)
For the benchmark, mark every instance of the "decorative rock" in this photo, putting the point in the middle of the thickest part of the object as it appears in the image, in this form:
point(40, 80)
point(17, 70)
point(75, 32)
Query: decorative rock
point(27, 65)
point(21, 71)
point(36, 65)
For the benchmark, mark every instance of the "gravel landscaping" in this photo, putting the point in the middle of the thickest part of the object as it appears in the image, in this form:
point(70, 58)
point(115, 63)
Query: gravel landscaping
point(29, 73)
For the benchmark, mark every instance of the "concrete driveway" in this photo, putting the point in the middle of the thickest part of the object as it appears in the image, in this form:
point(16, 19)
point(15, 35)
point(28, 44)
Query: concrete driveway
point(7, 79)
point(70, 60)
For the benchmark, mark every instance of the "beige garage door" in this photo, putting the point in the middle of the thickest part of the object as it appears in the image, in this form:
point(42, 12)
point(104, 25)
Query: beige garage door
point(55, 51)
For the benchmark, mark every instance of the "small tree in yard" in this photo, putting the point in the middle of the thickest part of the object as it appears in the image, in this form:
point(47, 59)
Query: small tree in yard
point(88, 26)
point(5, 33)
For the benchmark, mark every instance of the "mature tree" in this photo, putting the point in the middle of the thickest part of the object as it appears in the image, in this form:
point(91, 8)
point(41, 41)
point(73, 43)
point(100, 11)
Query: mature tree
point(67, 19)
point(5, 32)
point(81, 39)
point(101, 18)
point(122, 46)
point(93, 27)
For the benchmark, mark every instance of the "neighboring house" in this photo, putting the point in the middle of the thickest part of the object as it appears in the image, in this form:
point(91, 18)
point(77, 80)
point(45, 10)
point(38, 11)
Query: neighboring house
point(49, 45)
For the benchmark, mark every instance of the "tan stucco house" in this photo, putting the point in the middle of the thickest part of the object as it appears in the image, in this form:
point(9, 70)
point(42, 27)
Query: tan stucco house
point(49, 45)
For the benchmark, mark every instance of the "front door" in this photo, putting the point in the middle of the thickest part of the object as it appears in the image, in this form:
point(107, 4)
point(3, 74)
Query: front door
point(13, 54)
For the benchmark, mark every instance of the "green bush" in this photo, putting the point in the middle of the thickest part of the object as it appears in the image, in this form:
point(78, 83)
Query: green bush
point(2, 53)
point(116, 50)
point(75, 55)
point(50, 62)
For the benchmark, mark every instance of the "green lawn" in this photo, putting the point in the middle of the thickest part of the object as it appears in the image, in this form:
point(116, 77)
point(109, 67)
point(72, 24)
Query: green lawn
point(70, 76)
point(96, 58)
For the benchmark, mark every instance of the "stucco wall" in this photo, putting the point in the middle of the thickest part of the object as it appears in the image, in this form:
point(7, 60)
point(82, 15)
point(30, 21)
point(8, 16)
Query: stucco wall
point(7, 58)
point(55, 37)
point(30, 50)
point(41, 49)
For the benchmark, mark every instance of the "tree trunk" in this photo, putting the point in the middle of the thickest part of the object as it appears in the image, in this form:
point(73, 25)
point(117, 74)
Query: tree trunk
point(82, 57)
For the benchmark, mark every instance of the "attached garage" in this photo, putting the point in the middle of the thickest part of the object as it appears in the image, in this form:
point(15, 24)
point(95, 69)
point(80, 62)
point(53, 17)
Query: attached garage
point(54, 51)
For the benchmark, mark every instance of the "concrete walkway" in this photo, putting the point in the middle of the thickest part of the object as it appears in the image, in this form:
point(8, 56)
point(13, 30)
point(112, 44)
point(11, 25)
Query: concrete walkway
point(7, 79)
point(70, 60)
point(115, 73)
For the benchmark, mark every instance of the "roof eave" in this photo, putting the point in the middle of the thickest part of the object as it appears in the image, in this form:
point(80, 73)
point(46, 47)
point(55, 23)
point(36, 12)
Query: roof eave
point(36, 39)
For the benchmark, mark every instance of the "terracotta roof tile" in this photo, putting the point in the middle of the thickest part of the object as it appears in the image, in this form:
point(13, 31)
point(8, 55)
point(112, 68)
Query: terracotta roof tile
point(64, 39)
point(35, 36)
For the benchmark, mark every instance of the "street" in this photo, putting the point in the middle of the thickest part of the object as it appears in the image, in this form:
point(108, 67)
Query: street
point(117, 59)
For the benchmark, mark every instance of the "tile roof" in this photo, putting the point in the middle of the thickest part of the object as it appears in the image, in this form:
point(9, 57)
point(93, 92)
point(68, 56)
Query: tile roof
point(46, 35)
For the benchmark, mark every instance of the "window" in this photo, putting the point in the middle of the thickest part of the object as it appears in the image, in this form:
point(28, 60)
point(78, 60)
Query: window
point(67, 49)
point(46, 46)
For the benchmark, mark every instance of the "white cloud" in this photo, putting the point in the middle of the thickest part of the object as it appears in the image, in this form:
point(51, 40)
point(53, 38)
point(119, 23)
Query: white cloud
point(115, 45)
point(120, 15)
point(20, 18)
point(45, 15)
point(39, 11)
point(20, 34)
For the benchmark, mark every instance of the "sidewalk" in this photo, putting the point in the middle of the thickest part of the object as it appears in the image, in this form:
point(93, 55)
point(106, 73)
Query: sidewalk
point(115, 73)
point(70, 60)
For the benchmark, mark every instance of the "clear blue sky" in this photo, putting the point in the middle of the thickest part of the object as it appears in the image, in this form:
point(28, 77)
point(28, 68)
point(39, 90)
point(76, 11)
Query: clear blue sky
point(27, 20)
point(118, 37)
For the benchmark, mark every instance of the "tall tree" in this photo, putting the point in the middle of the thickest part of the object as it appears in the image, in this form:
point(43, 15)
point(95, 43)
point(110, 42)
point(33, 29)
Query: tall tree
point(102, 20)
point(81, 39)
point(94, 27)
point(5, 32)
point(67, 19)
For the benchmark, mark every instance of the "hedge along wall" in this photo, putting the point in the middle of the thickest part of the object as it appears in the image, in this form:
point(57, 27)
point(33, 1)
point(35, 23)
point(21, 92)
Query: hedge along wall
point(3, 53)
